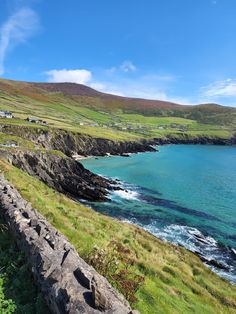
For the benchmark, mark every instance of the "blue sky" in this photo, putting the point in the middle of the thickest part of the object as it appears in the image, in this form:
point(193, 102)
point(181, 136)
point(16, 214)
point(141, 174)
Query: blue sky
point(178, 50)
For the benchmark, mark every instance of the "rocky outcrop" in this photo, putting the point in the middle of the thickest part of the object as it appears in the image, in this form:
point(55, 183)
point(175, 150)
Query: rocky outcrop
point(69, 285)
point(63, 174)
point(186, 139)
point(71, 143)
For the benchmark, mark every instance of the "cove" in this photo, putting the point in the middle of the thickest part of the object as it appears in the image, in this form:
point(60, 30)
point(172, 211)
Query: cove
point(185, 194)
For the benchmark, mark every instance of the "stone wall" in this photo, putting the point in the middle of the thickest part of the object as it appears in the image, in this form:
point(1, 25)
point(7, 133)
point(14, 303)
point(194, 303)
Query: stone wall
point(68, 284)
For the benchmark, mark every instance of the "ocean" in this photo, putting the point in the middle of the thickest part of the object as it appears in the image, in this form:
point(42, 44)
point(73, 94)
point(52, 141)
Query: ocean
point(184, 194)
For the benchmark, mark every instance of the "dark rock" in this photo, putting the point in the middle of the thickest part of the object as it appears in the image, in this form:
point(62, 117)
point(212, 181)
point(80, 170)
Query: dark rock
point(213, 262)
point(71, 143)
point(63, 174)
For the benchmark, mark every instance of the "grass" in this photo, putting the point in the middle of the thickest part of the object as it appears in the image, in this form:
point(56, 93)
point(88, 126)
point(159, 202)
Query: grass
point(156, 121)
point(67, 112)
point(18, 294)
point(176, 281)
point(8, 139)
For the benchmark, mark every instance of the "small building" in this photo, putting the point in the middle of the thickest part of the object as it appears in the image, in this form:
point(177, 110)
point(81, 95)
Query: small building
point(9, 145)
point(36, 120)
point(5, 114)
point(33, 120)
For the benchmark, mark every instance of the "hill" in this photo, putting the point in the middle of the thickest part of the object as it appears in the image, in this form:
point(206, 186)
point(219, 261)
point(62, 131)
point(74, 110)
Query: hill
point(154, 276)
point(82, 109)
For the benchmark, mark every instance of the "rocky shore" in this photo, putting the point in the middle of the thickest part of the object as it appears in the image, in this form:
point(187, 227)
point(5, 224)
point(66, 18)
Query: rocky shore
point(57, 165)
point(70, 143)
point(63, 174)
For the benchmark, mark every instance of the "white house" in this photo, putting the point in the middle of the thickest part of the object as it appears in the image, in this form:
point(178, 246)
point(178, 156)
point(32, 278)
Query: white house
point(5, 114)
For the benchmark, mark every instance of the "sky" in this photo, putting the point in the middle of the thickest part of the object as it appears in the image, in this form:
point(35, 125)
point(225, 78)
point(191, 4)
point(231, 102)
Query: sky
point(178, 50)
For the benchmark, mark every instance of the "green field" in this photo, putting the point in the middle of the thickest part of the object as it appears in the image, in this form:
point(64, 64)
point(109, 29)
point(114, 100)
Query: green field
point(119, 119)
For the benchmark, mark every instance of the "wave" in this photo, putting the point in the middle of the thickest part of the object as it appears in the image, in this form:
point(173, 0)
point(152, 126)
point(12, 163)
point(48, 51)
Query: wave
point(127, 194)
point(220, 258)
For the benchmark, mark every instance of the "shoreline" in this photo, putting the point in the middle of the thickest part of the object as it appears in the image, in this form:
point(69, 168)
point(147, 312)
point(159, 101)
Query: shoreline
point(78, 157)
point(218, 266)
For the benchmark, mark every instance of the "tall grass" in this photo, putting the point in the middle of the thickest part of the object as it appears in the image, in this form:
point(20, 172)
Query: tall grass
point(175, 280)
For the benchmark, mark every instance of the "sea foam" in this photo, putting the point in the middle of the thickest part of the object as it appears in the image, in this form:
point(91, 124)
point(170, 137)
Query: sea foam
point(127, 194)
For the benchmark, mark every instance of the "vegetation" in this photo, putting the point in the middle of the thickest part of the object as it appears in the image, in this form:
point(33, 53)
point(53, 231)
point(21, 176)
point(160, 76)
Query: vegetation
point(176, 281)
point(81, 109)
point(156, 277)
point(17, 292)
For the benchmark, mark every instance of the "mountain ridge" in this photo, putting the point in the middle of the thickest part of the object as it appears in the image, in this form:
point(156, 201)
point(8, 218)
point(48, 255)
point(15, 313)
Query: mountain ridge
point(76, 89)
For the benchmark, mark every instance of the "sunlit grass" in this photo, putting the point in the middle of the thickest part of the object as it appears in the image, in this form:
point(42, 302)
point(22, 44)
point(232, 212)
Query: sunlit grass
point(176, 281)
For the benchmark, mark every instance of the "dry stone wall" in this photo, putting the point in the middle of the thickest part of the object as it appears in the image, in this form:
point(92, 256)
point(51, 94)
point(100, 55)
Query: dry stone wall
point(67, 282)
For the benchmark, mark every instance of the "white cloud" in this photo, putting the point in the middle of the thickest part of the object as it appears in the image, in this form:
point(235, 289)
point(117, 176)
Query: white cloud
point(224, 88)
point(148, 86)
point(128, 66)
point(79, 76)
point(17, 29)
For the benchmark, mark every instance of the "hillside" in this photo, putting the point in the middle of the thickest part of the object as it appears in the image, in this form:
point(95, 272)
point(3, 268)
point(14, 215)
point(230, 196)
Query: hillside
point(82, 109)
point(176, 281)
point(37, 158)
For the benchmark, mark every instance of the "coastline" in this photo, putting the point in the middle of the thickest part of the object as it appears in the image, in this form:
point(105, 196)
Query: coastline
point(196, 235)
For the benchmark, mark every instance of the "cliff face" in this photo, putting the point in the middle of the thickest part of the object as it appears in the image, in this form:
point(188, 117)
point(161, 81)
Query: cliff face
point(68, 284)
point(203, 140)
point(68, 176)
point(63, 174)
point(75, 143)
point(71, 143)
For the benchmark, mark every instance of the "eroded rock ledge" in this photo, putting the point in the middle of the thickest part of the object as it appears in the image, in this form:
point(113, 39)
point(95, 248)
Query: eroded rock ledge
point(68, 284)
point(62, 174)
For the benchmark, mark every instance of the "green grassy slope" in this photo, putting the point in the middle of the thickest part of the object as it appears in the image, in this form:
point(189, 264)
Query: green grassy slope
point(18, 294)
point(75, 107)
point(176, 281)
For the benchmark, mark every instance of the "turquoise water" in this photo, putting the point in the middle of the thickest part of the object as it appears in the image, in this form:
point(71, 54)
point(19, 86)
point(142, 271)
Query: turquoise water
point(185, 194)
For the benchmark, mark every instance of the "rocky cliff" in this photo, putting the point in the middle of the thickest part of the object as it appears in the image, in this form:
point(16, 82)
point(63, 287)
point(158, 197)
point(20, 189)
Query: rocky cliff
point(68, 284)
point(71, 143)
point(63, 174)
point(186, 139)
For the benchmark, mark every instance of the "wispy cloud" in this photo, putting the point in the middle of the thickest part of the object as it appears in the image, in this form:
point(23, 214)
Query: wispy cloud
point(16, 30)
point(223, 88)
point(126, 67)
